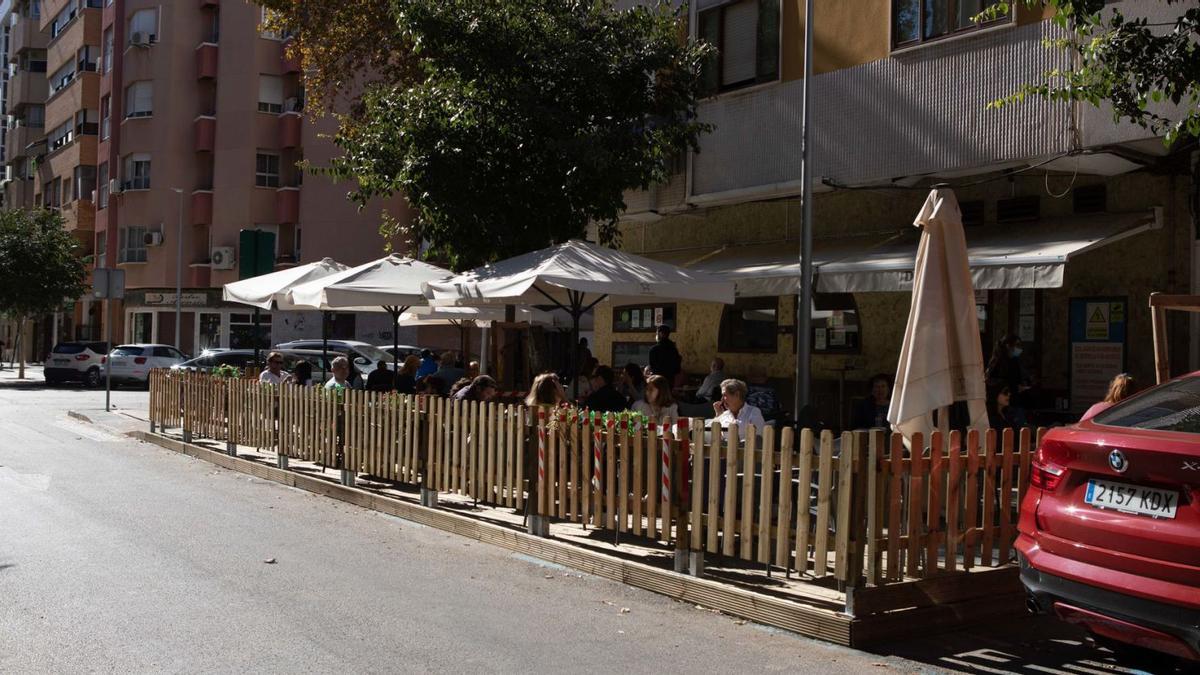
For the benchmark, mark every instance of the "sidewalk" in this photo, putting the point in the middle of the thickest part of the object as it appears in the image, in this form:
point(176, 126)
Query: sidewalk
point(33, 374)
point(121, 422)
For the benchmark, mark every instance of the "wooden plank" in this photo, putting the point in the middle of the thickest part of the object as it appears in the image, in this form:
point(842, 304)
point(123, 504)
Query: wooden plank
point(916, 502)
point(654, 450)
point(765, 496)
point(824, 504)
point(610, 477)
point(623, 496)
point(747, 533)
point(783, 517)
point(639, 473)
point(522, 450)
point(804, 497)
point(1006, 495)
point(714, 487)
point(845, 521)
point(695, 517)
point(953, 500)
point(729, 503)
point(937, 501)
point(971, 498)
point(989, 500)
point(1026, 449)
point(876, 483)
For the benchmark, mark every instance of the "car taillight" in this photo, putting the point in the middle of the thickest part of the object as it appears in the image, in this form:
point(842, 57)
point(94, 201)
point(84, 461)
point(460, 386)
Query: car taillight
point(82, 357)
point(140, 360)
point(1050, 465)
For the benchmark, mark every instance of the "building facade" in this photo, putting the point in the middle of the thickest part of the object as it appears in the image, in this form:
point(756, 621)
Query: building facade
point(1072, 220)
point(161, 132)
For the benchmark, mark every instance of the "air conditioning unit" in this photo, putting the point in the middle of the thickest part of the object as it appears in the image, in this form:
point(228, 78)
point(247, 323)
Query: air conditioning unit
point(114, 186)
point(140, 39)
point(222, 258)
point(152, 239)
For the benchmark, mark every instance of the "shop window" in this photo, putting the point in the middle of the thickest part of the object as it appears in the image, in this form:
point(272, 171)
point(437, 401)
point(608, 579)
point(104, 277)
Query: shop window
point(750, 325)
point(631, 352)
point(917, 21)
point(241, 331)
point(642, 318)
point(836, 325)
point(745, 35)
point(142, 328)
point(210, 330)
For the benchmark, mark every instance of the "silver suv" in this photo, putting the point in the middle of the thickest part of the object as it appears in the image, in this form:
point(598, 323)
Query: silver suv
point(77, 362)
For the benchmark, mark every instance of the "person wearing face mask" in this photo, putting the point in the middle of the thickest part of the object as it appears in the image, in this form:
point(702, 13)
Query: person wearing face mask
point(1005, 368)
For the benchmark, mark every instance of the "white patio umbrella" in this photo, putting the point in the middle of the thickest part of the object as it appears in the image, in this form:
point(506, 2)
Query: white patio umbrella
point(574, 277)
point(941, 359)
point(478, 316)
point(392, 284)
point(270, 291)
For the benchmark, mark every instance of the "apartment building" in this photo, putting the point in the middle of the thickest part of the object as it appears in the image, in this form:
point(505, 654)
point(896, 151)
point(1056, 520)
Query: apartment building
point(1070, 217)
point(25, 94)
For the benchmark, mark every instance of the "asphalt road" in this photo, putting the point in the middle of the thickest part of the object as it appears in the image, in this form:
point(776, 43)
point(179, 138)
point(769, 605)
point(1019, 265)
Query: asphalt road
point(121, 556)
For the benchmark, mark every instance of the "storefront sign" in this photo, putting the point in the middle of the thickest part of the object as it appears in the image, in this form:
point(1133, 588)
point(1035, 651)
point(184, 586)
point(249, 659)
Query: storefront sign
point(168, 299)
point(1097, 347)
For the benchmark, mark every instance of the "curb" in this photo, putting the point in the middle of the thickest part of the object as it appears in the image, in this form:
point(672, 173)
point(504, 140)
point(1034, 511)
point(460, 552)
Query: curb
point(808, 621)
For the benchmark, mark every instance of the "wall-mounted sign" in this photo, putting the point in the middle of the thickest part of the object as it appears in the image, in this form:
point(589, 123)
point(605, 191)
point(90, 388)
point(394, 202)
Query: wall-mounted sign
point(1098, 332)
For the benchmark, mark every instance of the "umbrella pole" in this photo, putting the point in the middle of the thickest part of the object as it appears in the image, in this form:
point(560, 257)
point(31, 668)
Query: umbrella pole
point(324, 345)
point(803, 389)
point(573, 355)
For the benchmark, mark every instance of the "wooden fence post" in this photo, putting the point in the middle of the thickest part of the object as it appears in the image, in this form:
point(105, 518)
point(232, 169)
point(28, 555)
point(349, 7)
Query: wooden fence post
point(426, 415)
point(539, 526)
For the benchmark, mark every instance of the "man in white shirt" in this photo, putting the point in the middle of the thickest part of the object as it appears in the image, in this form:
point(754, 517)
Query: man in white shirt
point(732, 409)
point(710, 389)
point(274, 373)
point(341, 374)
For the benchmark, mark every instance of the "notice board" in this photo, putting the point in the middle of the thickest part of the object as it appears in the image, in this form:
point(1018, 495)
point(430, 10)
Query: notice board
point(1097, 347)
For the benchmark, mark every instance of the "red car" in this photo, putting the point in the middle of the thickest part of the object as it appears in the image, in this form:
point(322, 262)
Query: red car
point(1110, 528)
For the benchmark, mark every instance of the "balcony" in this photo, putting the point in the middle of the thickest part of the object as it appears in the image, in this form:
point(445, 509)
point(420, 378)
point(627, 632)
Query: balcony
point(23, 35)
point(289, 130)
point(204, 132)
point(19, 138)
point(290, 63)
point(79, 215)
point(206, 61)
point(27, 88)
point(202, 207)
point(287, 205)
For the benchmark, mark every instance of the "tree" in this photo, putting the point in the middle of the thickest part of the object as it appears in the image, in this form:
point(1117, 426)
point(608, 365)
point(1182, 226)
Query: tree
point(1129, 63)
point(40, 269)
point(511, 124)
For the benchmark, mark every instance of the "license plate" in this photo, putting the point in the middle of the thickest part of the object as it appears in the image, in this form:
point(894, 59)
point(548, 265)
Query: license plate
point(1143, 501)
point(62, 360)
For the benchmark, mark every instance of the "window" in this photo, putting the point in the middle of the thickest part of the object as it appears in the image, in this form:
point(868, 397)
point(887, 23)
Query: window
point(749, 325)
point(105, 117)
point(274, 230)
point(62, 77)
point(85, 59)
point(143, 27)
point(85, 182)
point(66, 16)
point(1174, 406)
point(60, 137)
point(101, 250)
point(270, 94)
point(132, 245)
point(107, 63)
point(915, 21)
point(35, 9)
point(51, 194)
point(32, 61)
point(241, 331)
point(266, 170)
point(642, 318)
point(139, 99)
point(35, 115)
point(746, 37)
point(102, 186)
point(836, 328)
point(137, 172)
point(631, 352)
point(87, 123)
point(264, 17)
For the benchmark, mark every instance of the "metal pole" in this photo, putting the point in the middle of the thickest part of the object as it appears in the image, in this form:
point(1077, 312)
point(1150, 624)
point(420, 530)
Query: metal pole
point(804, 304)
point(107, 365)
point(324, 345)
point(179, 272)
point(485, 349)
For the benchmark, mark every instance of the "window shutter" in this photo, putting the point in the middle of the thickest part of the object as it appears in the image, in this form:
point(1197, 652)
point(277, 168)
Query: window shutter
point(270, 89)
point(737, 44)
point(710, 32)
point(767, 43)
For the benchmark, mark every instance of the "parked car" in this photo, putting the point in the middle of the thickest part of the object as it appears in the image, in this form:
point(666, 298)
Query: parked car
point(362, 355)
point(131, 364)
point(76, 362)
point(1109, 531)
point(244, 358)
point(401, 351)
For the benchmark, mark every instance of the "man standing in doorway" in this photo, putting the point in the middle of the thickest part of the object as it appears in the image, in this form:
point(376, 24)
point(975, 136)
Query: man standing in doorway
point(664, 356)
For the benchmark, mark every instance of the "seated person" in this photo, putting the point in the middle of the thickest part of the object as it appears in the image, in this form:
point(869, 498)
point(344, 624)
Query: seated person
point(871, 412)
point(658, 402)
point(710, 388)
point(1003, 415)
point(733, 410)
point(604, 396)
point(381, 379)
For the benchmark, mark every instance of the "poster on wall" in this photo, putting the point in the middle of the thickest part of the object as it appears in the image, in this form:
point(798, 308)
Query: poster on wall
point(1097, 347)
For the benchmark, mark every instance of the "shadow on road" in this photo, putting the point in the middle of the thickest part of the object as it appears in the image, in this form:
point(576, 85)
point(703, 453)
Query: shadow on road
point(1028, 645)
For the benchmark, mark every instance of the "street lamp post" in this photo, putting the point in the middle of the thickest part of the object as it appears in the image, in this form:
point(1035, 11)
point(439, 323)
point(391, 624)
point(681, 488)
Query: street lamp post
point(179, 271)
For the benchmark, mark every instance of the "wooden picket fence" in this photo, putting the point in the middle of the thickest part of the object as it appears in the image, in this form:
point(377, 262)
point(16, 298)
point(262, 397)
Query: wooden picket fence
point(857, 507)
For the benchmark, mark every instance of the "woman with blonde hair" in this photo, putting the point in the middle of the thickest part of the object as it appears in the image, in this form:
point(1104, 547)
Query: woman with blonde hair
point(546, 390)
point(658, 402)
point(1119, 389)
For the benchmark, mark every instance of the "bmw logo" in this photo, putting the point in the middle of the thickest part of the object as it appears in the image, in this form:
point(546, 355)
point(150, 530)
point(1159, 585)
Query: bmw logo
point(1116, 460)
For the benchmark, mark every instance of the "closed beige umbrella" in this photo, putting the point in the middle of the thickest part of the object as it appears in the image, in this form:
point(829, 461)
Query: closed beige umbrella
point(941, 360)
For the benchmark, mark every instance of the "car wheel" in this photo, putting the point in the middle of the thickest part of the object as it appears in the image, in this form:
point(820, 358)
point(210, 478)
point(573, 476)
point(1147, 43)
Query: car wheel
point(91, 378)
